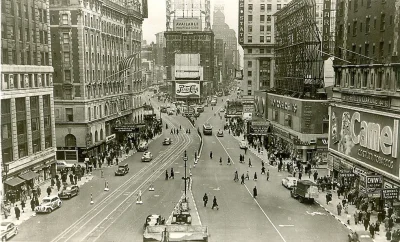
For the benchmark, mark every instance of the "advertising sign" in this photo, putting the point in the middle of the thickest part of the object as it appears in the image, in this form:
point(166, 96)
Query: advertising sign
point(390, 193)
point(187, 89)
point(366, 137)
point(326, 27)
point(126, 128)
point(241, 22)
point(259, 128)
point(187, 24)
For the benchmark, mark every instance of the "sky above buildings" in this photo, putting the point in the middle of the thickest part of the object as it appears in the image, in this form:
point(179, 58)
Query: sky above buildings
point(156, 21)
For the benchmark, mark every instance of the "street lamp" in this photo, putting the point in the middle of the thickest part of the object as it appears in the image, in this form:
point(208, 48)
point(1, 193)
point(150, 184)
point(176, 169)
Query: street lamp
point(185, 158)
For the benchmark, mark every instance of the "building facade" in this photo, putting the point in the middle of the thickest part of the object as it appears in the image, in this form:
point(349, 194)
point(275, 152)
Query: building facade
point(28, 137)
point(92, 94)
point(365, 112)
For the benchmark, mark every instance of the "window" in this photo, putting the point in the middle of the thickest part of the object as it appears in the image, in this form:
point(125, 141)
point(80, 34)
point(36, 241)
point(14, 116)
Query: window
point(5, 106)
point(249, 64)
point(249, 82)
point(65, 38)
point(250, 18)
point(262, 18)
point(269, 18)
point(26, 11)
point(383, 22)
point(250, 7)
point(250, 51)
point(69, 114)
point(352, 78)
point(6, 131)
point(46, 102)
point(354, 28)
point(250, 28)
point(262, 28)
point(249, 73)
point(278, 7)
point(34, 103)
point(262, 51)
point(66, 57)
point(250, 39)
point(261, 39)
point(381, 50)
point(67, 76)
point(44, 15)
point(288, 120)
point(262, 7)
point(64, 19)
point(268, 28)
point(269, 7)
point(365, 79)
point(369, 3)
point(361, 27)
point(249, 92)
point(397, 73)
point(268, 39)
point(36, 146)
point(20, 104)
point(48, 142)
point(355, 5)
point(22, 149)
point(366, 49)
point(35, 124)
point(21, 127)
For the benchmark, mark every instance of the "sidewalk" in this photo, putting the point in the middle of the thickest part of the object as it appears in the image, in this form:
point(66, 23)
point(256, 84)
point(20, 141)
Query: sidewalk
point(28, 213)
point(331, 207)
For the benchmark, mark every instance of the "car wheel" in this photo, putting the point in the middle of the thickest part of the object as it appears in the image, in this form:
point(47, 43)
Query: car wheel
point(48, 210)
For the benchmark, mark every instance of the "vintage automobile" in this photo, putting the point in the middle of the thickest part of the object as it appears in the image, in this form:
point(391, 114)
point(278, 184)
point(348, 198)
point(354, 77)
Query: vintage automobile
point(69, 191)
point(122, 170)
point(153, 220)
point(143, 146)
point(49, 204)
point(62, 164)
point(147, 156)
point(167, 141)
point(220, 133)
point(243, 144)
point(289, 182)
point(170, 112)
point(8, 230)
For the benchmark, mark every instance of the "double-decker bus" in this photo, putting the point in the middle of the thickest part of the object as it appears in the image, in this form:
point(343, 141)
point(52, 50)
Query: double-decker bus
point(207, 129)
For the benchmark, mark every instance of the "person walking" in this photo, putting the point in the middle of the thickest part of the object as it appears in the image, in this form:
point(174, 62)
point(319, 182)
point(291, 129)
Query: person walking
point(172, 173)
point(211, 155)
point(372, 230)
point(255, 192)
point(247, 176)
point(255, 176)
point(229, 161)
point(205, 199)
point(58, 184)
point(23, 202)
point(315, 175)
point(38, 191)
point(166, 175)
point(236, 176)
point(53, 182)
point(356, 215)
point(268, 175)
point(220, 160)
point(242, 178)
point(17, 212)
point(250, 163)
point(32, 204)
point(48, 191)
point(339, 208)
point(263, 170)
point(215, 204)
point(71, 179)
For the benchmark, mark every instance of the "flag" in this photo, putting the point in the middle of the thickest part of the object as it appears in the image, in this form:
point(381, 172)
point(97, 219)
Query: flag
point(127, 63)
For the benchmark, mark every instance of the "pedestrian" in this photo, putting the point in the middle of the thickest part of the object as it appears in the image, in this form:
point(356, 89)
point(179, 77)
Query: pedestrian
point(250, 163)
point(245, 150)
point(300, 175)
point(52, 182)
point(388, 235)
point(247, 176)
point(166, 175)
point(17, 212)
point(315, 175)
point(33, 204)
point(172, 173)
point(377, 224)
point(58, 184)
point(255, 192)
point(220, 160)
point(205, 199)
point(236, 176)
point(339, 208)
point(263, 170)
point(255, 176)
point(215, 204)
point(268, 175)
point(76, 178)
point(48, 191)
point(366, 223)
point(39, 191)
point(242, 178)
point(211, 155)
point(356, 217)
point(372, 229)
point(71, 178)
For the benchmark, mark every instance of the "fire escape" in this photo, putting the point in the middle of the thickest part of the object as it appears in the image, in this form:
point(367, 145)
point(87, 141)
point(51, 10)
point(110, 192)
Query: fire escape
point(299, 63)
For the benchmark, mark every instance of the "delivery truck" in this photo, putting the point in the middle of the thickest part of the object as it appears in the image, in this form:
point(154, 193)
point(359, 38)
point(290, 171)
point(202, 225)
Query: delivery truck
point(305, 191)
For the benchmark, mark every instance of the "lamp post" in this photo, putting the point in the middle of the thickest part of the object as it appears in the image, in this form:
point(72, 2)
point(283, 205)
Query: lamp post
point(185, 158)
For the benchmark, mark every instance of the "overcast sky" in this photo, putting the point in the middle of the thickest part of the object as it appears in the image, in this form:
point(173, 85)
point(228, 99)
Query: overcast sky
point(156, 21)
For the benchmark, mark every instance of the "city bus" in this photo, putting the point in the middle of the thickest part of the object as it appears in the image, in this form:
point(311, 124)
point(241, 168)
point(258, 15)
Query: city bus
point(207, 129)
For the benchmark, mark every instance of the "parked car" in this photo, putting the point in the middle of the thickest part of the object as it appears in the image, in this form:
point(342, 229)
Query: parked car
point(152, 220)
point(49, 204)
point(147, 156)
point(167, 141)
point(220, 133)
point(289, 182)
point(122, 170)
point(62, 164)
point(8, 230)
point(243, 144)
point(170, 112)
point(69, 192)
point(143, 146)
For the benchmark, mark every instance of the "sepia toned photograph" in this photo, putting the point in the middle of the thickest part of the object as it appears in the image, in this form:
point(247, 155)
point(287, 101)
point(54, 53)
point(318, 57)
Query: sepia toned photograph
point(200, 120)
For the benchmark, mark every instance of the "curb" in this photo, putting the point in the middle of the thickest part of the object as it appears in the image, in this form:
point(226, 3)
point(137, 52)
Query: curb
point(333, 215)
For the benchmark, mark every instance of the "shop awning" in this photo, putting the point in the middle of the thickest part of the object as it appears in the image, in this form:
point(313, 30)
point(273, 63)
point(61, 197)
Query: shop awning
point(14, 182)
point(29, 175)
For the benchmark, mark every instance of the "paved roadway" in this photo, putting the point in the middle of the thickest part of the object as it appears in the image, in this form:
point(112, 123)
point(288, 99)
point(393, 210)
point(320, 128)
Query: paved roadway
point(115, 216)
point(273, 216)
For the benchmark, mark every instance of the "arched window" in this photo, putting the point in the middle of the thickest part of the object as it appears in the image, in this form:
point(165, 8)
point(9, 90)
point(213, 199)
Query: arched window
point(96, 136)
point(70, 140)
point(101, 134)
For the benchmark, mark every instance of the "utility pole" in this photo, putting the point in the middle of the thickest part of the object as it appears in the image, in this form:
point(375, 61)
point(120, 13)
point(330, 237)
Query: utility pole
point(185, 158)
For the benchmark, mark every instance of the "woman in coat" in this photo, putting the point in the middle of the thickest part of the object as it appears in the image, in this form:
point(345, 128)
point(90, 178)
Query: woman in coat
point(255, 192)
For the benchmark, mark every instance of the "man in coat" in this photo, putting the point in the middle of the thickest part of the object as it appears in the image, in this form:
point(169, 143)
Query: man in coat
point(17, 212)
point(49, 190)
point(205, 199)
point(255, 192)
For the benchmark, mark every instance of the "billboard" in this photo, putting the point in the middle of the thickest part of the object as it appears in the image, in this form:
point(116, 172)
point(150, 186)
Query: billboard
point(187, 89)
point(187, 24)
point(366, 136)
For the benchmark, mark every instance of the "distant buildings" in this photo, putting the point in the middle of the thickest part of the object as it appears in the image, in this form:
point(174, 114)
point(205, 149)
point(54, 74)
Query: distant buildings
point(28, 137)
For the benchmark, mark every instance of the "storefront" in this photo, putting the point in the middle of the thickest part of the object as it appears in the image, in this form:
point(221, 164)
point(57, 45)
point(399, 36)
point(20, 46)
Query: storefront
point(367, 141)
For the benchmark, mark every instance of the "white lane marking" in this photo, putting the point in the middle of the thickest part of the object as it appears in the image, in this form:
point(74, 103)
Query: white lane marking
point(286, 225)
point(217, 111)
point(262, 210)
point(225, 150)
point(216, 189)
point(195, 207)
point(315, 213)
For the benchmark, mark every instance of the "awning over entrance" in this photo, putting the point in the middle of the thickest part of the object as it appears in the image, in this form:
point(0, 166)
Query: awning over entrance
point(14, 182)
point(29, 175)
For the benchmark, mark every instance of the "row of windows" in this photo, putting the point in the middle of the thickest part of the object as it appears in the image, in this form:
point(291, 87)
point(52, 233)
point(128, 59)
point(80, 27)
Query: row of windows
point(358, 26)
point(375, 80)
point(24, 58)
point(262, 28)
point(16, 9)
point(262, 18)
point(259, 51)
point(355, 5)
point(20, 34)
point(263, 39)
point(269, 7)
point(20, 81)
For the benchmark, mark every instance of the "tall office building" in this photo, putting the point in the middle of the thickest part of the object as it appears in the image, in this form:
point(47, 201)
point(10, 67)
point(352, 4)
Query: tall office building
point(364, 114)
point(27, 108)
point(95, 89)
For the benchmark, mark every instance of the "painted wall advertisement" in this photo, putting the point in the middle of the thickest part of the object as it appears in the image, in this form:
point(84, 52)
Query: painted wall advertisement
point(370, 138)
point(187, 89)
point(187, 24)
